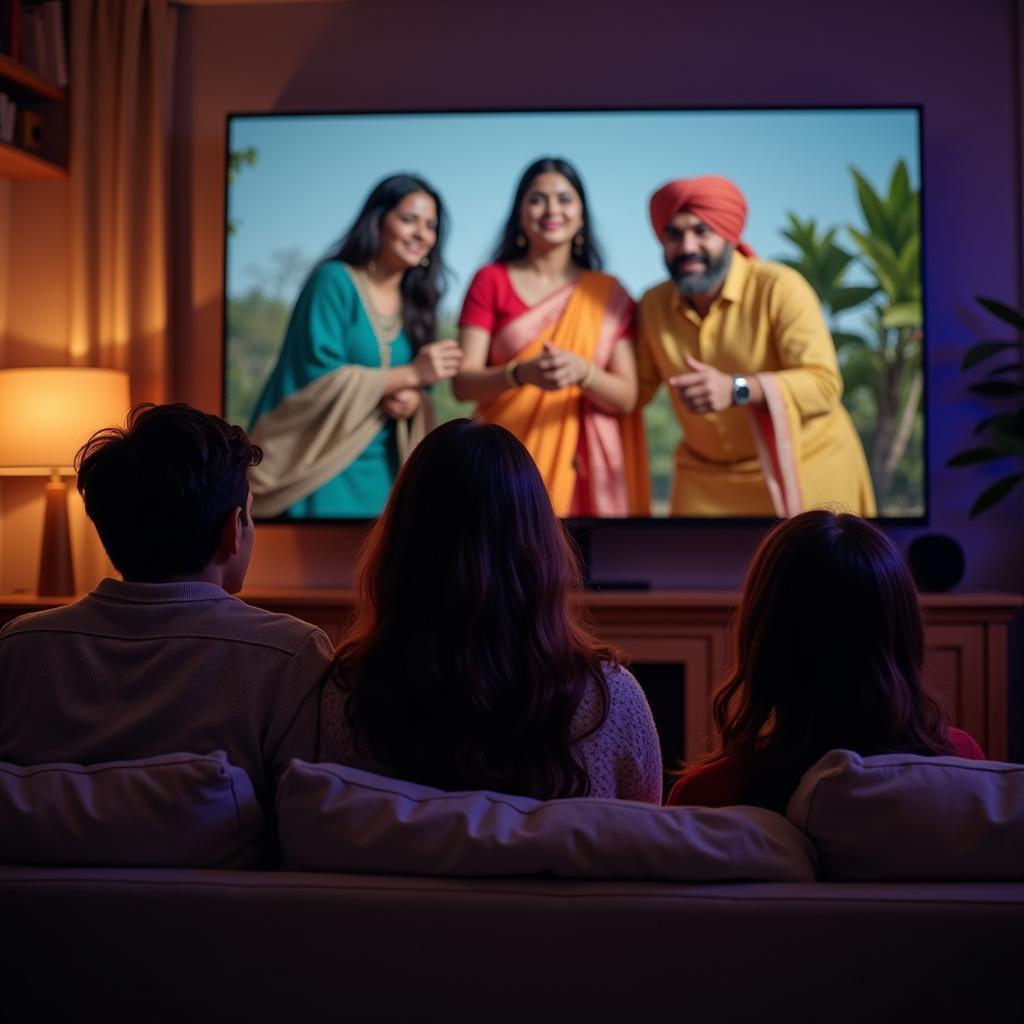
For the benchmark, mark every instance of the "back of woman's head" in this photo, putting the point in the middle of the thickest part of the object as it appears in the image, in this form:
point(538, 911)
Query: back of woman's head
point(466, 660)
point(829, 648)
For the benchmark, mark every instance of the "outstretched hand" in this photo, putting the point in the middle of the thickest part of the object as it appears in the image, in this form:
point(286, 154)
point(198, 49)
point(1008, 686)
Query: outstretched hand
point(554, 369)
point(703, 389)
point(439, 360)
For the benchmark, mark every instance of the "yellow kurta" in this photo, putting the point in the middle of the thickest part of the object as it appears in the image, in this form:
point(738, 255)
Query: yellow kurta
point(767, 319)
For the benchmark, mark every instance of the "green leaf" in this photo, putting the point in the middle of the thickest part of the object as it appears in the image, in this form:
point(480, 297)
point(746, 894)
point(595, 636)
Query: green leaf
point(908, 222)
point(871, 205)
point(899, 188)
point(996, 388)
point(999, 490)
point(1007, 314)
point(903, 314)
point(834, 262)
point(990, 421)
point(909, 263)
point(848, 297)
point(983, 350)
point(1009, 441)
point(1015, 367)
point(974, 455)
point(881, 261)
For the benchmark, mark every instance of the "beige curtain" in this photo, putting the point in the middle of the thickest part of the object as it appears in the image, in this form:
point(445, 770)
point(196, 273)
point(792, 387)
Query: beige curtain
point(122, 59)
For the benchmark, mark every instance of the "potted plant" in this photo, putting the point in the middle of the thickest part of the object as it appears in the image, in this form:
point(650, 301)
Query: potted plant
point(1003, 433)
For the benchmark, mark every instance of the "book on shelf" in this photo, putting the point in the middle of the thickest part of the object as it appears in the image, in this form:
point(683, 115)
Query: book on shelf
point(8, 116)
point(57, 51)
point(10, 28)
point(42, 42)
point(33, 42)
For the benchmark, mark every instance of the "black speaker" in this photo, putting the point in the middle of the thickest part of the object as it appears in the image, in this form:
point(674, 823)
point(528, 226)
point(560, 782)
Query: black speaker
point(937, 562)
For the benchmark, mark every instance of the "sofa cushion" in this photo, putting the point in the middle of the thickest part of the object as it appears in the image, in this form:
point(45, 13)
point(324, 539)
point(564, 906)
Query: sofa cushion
point(896, 817)
point(335, 818)
point(178, 810)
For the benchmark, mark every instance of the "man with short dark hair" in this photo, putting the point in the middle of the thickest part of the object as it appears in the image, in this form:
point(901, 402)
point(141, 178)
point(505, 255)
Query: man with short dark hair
point(166, 659)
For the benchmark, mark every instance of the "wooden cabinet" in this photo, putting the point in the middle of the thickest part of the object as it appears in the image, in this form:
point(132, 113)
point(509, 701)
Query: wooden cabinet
point(966, 634)
point(41, 98)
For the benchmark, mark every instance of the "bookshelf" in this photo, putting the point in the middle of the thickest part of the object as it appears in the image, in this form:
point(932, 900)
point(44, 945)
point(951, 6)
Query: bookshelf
point(46, 103)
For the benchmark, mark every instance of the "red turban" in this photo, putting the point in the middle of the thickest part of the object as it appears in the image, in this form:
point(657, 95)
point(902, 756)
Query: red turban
point(716, 201)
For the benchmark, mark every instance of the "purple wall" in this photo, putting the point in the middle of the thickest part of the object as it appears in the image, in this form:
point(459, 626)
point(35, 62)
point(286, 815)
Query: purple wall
point(959, 61)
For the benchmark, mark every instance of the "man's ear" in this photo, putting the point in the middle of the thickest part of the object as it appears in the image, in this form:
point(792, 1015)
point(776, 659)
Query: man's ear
point(231, 533)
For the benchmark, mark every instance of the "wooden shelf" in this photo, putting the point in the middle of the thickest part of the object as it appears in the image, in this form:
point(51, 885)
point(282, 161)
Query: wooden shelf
point(28, 81)
point(34, 93)
point(23, 166)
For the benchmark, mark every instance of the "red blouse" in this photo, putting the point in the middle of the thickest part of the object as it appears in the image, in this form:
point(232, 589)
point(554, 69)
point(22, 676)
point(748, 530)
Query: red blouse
point(492, 300)
point(721, 784)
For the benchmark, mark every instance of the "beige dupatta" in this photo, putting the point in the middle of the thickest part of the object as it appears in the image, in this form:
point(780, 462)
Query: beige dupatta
point(316, 432)
point(319, 430)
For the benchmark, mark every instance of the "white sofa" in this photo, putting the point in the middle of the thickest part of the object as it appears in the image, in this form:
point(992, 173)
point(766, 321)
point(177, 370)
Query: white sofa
point(187, 943)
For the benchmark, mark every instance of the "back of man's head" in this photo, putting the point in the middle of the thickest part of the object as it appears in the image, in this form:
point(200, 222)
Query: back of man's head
point(160, 490)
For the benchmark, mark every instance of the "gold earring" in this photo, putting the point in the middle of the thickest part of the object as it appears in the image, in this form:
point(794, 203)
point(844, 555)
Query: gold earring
point(425, 262)
point(577, 245)
point(520, 241)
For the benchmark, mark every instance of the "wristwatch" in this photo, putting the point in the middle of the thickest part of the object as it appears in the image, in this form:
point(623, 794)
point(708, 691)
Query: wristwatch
point(740, 391)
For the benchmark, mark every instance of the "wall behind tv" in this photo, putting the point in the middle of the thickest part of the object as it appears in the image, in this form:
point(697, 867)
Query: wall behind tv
point(961, 63)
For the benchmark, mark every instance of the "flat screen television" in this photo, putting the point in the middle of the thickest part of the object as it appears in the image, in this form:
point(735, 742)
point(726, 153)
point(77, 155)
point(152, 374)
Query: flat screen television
point(835, 193)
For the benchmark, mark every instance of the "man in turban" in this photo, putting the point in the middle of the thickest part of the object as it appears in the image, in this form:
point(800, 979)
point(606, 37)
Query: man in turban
point(751, 368)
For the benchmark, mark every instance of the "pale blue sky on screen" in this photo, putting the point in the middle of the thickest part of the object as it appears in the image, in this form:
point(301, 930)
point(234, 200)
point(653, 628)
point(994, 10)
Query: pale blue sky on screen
point(313, 172)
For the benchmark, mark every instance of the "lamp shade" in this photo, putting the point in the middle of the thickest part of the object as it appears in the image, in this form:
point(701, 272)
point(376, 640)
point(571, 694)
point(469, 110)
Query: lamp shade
point(48, 413)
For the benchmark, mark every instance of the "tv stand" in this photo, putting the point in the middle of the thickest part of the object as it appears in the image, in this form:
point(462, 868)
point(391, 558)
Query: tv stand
point(580, 535)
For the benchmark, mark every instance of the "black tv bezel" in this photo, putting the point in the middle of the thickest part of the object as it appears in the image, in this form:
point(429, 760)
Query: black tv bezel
point(585, 523)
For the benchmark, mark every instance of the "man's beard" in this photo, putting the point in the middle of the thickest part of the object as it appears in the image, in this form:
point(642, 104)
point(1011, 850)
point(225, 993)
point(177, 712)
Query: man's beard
point(706, 281)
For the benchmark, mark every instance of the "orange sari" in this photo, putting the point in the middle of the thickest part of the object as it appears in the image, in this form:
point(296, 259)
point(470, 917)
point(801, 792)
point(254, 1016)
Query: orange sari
point(593, 463)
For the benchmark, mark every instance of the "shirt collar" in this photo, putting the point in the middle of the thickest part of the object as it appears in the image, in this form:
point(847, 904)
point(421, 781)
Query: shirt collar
point(736, 278)
point(159, 593)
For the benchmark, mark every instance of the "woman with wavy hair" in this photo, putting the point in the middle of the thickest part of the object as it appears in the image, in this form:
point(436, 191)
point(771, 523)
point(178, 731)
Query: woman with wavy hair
point(467, 666)
point(547, 342)
point(829, 655)
point(344, 403)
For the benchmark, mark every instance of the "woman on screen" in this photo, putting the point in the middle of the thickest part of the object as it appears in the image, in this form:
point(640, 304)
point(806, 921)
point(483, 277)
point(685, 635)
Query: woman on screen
point(344, 403)
point(466, 666)
point(829, 655)
point(548, 352)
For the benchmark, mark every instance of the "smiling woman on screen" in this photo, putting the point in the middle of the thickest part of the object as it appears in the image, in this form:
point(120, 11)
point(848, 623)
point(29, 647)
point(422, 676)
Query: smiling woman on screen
point(548, 350)
point(345, 401)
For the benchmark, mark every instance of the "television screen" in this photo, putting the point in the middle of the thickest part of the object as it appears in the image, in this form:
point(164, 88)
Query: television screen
point(808, 358)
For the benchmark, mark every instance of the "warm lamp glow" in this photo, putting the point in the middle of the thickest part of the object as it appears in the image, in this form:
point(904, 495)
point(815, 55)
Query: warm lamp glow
point(48, 413)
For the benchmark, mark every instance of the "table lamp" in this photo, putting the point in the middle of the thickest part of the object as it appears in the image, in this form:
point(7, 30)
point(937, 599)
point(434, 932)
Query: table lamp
point(46, 415)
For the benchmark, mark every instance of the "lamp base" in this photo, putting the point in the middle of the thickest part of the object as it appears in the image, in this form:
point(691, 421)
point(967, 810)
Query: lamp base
point(56, 573)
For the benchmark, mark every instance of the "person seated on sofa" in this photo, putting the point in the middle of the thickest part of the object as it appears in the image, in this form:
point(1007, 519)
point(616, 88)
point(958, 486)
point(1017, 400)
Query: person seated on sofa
point(467, 666)
point(165, 660)
point(829, 655)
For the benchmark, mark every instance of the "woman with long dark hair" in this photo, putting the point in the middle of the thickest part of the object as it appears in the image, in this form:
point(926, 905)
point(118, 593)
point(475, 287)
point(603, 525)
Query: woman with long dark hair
point(829, 655)
point(548, 351)
point(344, 402)
point(466, 666)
